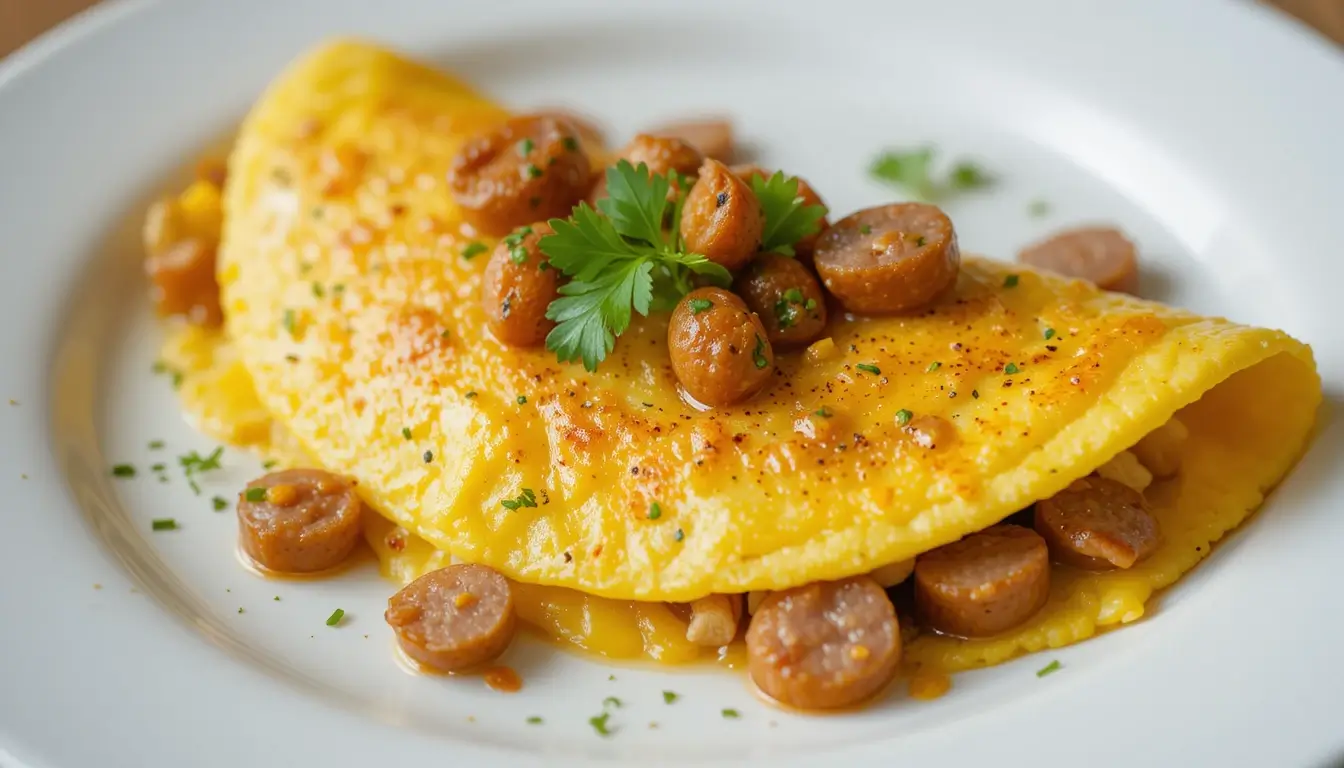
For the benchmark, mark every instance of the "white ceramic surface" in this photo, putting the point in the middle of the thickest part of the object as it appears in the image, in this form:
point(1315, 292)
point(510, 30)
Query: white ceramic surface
point(1210, 131)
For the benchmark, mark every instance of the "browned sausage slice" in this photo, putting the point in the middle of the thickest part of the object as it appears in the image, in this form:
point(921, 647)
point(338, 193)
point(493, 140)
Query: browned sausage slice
point(984, 584)
point(1097, 524)
point(825, 645)
point(182, 282)
point(888, 259)
point(720, 351)
point(785, 295)
point(299, 520)
point(531, 168)
point(1100, 255)
point(454, 618)
point(722, 217)
point(519, 285)
point(662, 156)
point(712, 136)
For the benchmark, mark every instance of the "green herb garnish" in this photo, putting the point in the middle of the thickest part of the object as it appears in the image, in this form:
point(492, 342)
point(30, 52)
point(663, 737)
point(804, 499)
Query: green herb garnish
point(525, 499)
point(788, 218)
point(406, 433)
point(194, 464)
point(473, 249)
point(1038, 208)
point(288, 322)
point(317, 290)
point(731, 714)
point(525, 147)
point(935, 365)
point(655, 511)
point(864, 229)
point(534, 720)
point(618, 263)
point(255, 494)
point(163, 524)
point(522, 399)
point(533, 172)
point(599, 723)
point(428, 456)
point(1049, 334)
point(123, 470)
point(219, 503)
point(679, 535)
point(335, 617)
point(912, 171)
point(700, 305)
point(869, 368)
point(758, 354)
point(903, 417)
point(823, 412)
point(1053, 666)
point(157, 467)
point(570, 143)
point(611, 701)
point(1010, 368)
point(269, 464)
point(1010, 281)
point(669, 697)
point(155, 445)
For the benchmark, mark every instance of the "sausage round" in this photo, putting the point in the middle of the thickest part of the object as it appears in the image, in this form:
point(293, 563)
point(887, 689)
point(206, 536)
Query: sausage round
point(824, 645)
point(1101, 255)
point(528, 169)
point(713, 137)
point(722, 217)
point(662, 155)
point(984, 584)
point(1097, 524)
point(519, 285)
point(182, 282)
point(889, 259)
point(787, 298)
point(454, 618)
point(803, 248)
point(720, 351)
point(299, 520)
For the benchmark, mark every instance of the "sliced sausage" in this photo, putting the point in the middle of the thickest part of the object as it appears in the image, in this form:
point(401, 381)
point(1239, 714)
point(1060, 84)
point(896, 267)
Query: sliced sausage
point(531, 168)
point(590, 132)
point(825, 645)
point(1101, 255)
point(662, 155)
point(299, 520)
point(720, 351)
point(182, 282)
point(984, 584)
point(787, 298)
point(519, 285)
point(889, 259)
point(454, 618)
point(803, 248)
point(722, 217)
point(1098, 524)
point(713, 137)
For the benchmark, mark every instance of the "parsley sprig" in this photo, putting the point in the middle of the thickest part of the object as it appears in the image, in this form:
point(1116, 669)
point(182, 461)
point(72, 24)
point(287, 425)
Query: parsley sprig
point(619, 263)
point(788, 218)
point(912, 170)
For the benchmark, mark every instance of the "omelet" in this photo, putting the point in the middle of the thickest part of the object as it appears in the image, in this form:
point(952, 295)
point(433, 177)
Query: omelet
point(352, 311)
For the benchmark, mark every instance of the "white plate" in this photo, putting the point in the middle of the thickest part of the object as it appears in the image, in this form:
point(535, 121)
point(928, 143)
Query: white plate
point(1210, 131)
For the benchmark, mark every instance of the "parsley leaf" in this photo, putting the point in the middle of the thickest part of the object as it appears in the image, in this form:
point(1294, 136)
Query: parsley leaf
point(618, 264)
point(787, 218)
point(194, 464)
point(912, 170)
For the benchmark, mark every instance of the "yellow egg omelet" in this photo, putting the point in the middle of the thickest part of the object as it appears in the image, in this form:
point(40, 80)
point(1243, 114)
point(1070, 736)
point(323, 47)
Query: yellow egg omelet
point(353, 318)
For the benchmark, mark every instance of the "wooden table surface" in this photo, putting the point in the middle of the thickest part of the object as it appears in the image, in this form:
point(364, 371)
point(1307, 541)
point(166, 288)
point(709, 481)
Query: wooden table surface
point(21, 20)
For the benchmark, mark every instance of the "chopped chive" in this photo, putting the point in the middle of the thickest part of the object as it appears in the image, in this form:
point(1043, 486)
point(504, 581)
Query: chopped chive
point(474, 248)
point(335, 617)
point(1010, 368)
point(700, 305)
point(522, 399)
point(1049, 334)
point(163, 524)
point(406, 433)
point(679, 535)
point(1010, 281)
point(903, 417)
point(155, 445)
point(269, 464)
point(255, 494)
point(731, 714)
point(655, 511)
point(1053, 666)
point(123, 470)
point(534, 720)
point(935, 365)
point(525, 147)
point(428, 456)
point(669, 697)
point(157, 467)
point(758, 354)
point(869, 368)
point(219, 503)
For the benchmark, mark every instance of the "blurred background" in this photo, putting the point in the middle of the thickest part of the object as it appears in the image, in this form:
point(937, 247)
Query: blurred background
point(22, 20)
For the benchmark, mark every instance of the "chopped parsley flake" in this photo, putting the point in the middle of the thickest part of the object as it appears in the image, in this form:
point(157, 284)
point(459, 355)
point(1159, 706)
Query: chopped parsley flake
point(869, 368)
point(679, 535)
point(219, 503)
point(655, 511)
point(1010, 281)
point(611, 702)
point(787, 218)
point(473, 249)
point(758, 354)
point(1049, 334)
point(1038, 208)
point(570, 143)
point(865, 230)
point(157, 467)
point(194, 464)
point(903, 416)
point(669, 697)
point(534, 720)
point(533, 172)
point(700, 305)
point(522, 399)
point(255, 494)
point(155, 445)
point(731, 714)
point(823, 412)
point(288, 322)
point(406, 433)
point(335, 617)
point(1011, 368)
point(269, 464)
point(912, 171)
point(935, 365)
point(163, 524)
point(518, 254)
point(123, 470)
point(599, 723)
point(525, 499)
point(525, 147)
point(428, 456)
point(317, 290)
point(1053, 666)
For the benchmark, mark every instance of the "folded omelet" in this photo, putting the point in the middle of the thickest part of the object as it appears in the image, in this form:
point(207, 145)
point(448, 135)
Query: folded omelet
point(354, 310)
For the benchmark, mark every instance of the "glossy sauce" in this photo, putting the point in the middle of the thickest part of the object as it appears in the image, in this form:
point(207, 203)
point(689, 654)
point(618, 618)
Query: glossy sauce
point(503, 679)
